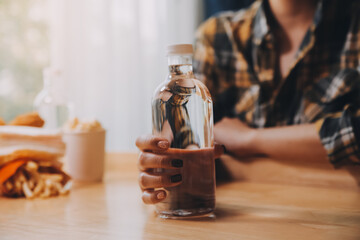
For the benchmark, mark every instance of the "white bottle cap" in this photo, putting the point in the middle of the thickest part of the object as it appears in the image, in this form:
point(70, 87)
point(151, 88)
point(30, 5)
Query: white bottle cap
point(180, 49)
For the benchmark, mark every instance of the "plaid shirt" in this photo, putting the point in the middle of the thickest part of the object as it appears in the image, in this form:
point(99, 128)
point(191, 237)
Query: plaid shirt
point(235, 56)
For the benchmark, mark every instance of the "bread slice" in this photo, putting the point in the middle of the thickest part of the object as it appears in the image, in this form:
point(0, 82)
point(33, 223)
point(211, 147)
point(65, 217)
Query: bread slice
point(22, 142)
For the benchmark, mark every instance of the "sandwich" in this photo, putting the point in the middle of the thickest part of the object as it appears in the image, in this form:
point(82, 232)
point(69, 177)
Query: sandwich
point(30, 163)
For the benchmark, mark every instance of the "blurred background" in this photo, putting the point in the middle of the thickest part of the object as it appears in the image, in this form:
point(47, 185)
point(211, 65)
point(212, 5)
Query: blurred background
point(111, 55)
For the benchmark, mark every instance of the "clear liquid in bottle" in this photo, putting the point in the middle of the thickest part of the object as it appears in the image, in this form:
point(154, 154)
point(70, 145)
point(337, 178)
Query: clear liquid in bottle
point(182, 113)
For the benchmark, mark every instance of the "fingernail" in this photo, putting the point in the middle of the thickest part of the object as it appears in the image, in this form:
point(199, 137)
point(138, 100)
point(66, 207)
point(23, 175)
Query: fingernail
point(176, 178)
point(177, 163)
point(160, 195)
point(163, 144)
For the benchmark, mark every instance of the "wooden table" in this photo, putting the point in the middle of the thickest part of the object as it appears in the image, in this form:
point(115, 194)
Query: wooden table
point(247, 209)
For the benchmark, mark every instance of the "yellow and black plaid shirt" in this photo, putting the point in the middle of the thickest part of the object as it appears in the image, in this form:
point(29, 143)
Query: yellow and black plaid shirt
point(235, 57)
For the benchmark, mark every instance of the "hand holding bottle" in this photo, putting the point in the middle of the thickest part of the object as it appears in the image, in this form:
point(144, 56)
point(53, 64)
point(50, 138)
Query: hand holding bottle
point(156, 154)
point(177, 162)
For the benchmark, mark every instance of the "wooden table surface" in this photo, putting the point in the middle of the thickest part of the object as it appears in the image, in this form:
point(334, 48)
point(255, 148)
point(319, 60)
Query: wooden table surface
point(246, 209)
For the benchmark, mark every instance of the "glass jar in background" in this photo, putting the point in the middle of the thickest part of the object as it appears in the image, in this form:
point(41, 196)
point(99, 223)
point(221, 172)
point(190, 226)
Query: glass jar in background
point(49, 104)
point(182, 113)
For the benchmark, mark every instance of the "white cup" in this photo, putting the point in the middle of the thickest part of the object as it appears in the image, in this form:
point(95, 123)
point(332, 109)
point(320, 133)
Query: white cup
point(85, 155)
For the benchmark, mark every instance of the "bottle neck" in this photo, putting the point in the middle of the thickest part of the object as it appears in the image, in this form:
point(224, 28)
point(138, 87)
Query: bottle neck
point(180, 65)
point(47, 84)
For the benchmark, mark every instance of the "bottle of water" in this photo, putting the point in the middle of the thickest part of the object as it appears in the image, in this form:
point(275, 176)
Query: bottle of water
point(51, 108)
point(182, 113)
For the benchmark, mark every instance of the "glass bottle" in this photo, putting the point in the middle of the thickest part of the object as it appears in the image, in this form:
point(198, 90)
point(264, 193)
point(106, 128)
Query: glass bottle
point(182, 113)
point(51, 108)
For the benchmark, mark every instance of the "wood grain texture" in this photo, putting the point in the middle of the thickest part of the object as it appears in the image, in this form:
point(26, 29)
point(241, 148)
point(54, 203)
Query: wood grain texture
point(293, 173)
point(251, 209)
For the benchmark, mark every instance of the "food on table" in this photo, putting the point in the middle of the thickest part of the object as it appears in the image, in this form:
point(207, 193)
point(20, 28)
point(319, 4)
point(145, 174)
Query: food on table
point(17, 142)
point(33, 179)
point(29, 119)
point(83, 126)
point(85, 153)
point(29, 160)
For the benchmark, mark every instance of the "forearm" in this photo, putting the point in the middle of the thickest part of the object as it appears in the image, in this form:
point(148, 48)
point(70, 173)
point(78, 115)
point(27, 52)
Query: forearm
point(290, 143)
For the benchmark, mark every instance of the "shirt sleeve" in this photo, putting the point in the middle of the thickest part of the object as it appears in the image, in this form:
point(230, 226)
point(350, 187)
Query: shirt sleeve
point(339, 129)
point(214, 61)
point(204, 55)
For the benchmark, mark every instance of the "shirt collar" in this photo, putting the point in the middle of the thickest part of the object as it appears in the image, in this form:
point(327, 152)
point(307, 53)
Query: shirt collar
point(260, 25)
point(261, 29)
point(318, 14)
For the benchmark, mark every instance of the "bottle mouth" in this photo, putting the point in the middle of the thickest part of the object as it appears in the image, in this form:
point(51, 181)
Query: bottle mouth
point(180, 49)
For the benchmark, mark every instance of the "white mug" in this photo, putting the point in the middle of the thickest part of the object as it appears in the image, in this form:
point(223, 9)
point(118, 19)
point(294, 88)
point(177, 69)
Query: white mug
point(85, 154)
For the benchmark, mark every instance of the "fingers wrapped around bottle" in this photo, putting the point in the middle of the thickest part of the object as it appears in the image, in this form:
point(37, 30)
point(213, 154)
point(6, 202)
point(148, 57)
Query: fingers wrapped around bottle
point(152, 143)
point(161, 167)
point(150, 179)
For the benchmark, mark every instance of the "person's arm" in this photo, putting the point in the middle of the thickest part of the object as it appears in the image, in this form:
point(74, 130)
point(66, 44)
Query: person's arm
point(333, 136)
point(290, 143)
point(299, 142)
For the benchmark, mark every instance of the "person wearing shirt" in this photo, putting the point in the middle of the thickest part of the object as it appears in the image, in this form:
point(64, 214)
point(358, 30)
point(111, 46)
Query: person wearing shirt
point(284, 77)
point(270, 76)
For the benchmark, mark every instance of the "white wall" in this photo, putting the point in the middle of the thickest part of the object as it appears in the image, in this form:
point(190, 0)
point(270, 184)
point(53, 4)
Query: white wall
point(112, 54)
